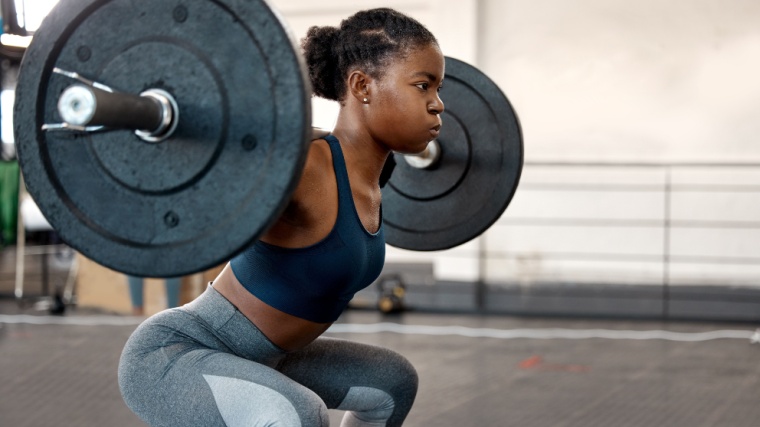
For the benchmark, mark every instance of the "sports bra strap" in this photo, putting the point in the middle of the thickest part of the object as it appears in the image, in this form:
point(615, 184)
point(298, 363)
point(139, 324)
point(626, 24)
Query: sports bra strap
point(345, 197)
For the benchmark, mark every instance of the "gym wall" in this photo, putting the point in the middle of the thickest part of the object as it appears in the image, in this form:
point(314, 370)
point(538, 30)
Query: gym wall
point(640, 131)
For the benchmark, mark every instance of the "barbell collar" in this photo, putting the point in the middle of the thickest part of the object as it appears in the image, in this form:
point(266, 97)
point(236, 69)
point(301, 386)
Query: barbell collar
point(169, 116)
point(427, 159)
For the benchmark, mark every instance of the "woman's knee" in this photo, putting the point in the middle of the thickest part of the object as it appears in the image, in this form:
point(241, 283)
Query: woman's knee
point(402, 383)
point(401, 373)
point(367, 406)
point(244, 403)
point(388, 390)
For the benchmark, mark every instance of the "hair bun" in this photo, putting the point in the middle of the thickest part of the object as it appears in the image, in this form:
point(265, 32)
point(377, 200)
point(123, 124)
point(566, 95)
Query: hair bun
point(322, 62)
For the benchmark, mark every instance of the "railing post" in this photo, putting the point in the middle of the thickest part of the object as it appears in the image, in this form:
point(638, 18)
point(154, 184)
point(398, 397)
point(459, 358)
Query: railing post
point(666, 246)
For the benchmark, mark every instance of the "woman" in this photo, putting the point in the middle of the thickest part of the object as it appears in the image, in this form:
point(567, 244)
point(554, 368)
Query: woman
point(248, 352)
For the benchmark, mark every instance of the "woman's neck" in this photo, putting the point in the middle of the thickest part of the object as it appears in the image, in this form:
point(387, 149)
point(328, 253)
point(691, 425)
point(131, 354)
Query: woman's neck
point(364, 154)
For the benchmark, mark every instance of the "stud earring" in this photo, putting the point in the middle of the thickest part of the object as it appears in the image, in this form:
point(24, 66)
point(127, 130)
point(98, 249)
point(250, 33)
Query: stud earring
point(366, 100)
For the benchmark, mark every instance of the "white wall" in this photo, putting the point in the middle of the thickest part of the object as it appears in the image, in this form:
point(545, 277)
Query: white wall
point(648, 82)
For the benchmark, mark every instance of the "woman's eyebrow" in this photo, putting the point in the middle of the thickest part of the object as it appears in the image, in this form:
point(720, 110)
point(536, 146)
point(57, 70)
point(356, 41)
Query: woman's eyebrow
point(428, 75)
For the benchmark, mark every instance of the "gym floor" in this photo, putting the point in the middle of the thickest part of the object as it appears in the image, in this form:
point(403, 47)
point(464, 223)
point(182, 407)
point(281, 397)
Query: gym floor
point(474, 370)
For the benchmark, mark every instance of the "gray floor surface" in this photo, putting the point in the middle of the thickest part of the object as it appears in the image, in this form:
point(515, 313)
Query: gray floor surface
point(474, 370)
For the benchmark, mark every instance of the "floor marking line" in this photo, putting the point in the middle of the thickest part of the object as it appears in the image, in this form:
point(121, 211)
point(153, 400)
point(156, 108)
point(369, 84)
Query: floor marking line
point(550, 333)
point(71, 320)
point(373, 328)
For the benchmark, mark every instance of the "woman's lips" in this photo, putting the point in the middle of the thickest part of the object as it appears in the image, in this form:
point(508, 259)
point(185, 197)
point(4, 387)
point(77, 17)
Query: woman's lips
point(435, 130)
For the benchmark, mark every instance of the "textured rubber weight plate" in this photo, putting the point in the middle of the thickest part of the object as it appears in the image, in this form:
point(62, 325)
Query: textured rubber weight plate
point(198, 198)
point(475, 177)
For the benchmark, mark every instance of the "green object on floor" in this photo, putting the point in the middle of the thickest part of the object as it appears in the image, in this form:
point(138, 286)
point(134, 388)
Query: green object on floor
point(9, 181)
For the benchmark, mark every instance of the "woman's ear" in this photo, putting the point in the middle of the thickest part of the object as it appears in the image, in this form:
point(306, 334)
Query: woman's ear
point(359, 86)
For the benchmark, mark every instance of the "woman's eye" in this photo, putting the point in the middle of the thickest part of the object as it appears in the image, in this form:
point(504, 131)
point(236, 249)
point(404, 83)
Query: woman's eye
point(423, 86)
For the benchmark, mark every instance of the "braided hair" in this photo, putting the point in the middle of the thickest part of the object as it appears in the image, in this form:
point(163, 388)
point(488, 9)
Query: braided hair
point(370, 39)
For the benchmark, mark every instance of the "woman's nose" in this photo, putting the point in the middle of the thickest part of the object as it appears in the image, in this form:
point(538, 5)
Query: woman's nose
point(437, 106)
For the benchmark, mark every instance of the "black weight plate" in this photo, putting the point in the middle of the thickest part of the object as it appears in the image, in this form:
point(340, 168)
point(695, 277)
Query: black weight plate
point(475, 177)
point(198, 198)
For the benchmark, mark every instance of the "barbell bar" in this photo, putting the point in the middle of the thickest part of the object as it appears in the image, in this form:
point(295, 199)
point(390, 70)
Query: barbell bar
point(153, 116)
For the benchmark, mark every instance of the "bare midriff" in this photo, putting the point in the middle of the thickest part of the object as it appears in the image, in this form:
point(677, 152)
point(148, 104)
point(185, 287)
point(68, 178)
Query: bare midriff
point(286, 331)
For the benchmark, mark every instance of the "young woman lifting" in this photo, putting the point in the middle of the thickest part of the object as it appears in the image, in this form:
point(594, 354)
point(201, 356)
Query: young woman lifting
point(248, 351)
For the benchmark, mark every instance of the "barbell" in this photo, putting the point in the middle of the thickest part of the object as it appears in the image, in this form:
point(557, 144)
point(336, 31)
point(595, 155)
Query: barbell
point(162, 138)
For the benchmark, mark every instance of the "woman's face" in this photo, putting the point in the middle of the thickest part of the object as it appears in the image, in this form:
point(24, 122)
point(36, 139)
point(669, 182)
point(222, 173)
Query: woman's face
point(404, 109)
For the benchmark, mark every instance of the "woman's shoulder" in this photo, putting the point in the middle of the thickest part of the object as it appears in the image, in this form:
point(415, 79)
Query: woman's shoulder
point(318, 176)
point(319, 158)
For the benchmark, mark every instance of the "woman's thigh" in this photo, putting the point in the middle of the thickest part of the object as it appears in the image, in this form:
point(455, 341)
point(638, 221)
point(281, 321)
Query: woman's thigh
point(170, 379)
point(375, 383)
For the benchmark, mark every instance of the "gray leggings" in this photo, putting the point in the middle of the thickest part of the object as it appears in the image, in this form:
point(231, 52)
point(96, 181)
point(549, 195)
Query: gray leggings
point(205, 364)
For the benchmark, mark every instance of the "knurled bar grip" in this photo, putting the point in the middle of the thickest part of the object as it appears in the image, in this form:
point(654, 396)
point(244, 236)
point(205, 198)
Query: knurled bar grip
point(81, 105)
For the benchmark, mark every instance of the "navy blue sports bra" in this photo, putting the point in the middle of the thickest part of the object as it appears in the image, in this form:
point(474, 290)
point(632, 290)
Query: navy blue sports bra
point(317, 282)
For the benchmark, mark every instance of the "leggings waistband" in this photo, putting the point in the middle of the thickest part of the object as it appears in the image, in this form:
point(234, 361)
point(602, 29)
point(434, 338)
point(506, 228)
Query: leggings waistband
point(230, 325)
